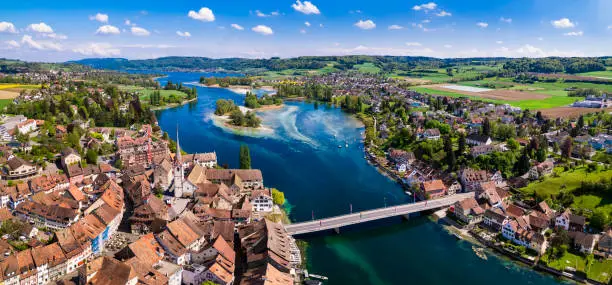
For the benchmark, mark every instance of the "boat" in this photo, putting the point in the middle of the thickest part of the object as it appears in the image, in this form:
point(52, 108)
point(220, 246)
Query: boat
point(407, 193)
point(479, 252)
point(339, 146)
point(457, 236)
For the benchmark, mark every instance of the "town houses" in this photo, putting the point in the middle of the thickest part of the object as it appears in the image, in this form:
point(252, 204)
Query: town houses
point(69, 217)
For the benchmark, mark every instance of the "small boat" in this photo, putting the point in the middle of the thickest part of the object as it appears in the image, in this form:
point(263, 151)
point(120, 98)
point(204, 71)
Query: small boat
point(457, 236)
point(339, 146)
point(479, 252)
point(407, 193)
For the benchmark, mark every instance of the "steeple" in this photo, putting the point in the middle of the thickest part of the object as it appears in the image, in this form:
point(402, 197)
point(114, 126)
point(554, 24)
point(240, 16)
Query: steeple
point(178, 158)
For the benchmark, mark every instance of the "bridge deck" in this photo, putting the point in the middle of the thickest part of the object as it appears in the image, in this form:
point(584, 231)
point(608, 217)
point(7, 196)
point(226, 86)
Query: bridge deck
point(371, 215)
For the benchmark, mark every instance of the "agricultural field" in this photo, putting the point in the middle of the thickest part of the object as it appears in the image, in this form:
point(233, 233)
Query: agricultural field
point(10, 90)
point(569, 112)
point(504, 97)
point(600, 74)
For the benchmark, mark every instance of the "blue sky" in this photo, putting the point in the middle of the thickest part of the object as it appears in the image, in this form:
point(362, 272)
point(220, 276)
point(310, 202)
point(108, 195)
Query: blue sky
point(63, 30)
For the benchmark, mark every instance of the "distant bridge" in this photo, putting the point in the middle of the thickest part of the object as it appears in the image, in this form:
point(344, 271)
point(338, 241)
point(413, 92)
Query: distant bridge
point(337, 222)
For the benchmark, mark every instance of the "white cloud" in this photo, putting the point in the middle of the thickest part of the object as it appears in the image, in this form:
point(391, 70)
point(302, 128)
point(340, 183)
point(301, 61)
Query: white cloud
point(482, 24)
point(499, 42)
point(307, 24)
point(7, 27)
point(156, 46)
point(302, 31)
point(141, 32)
point(610, 27)
point(563, 23)
point(425, 6)
point(204, 15)
point(448, 46)
point(540, 38)
point(264, 15)
point(237, 27)
point(98, 49)
point(107, 30)
point(183, 34)
point(264, 30)
point(102, 18)
point(426, 21)
point(27, 40)
point(395, 27)
point(377, 51)
point(574, 34)
point(529, 50)
point(12, 44)
point(444, 14)
point(306, 7)
point(413, 44)
point(365, 25)
point(321, 26)
point(506, 20)
point(40, 28)
point(55, 36)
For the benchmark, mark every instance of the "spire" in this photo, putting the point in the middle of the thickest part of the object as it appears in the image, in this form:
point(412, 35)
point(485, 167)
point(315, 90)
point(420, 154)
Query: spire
point(178, 147)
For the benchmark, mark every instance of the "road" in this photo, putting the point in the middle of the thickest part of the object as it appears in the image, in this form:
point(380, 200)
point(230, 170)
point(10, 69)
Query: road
point(371, 215)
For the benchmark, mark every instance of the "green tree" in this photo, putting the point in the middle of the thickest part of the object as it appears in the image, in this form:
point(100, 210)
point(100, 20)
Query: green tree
point(237, 118)
point(278, 197)
point(522, 164)
point(599, 219)
point(245, 157)
point(512, 144)
point(91, 156)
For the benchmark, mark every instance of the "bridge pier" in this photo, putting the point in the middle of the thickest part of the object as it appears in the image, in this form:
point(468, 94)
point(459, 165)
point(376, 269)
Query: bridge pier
point(406, 217)
point(337, 230)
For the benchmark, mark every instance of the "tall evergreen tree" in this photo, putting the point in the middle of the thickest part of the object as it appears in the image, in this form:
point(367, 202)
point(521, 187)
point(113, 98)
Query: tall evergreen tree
point(461, 142)
point(245, 157)
point(486, 127)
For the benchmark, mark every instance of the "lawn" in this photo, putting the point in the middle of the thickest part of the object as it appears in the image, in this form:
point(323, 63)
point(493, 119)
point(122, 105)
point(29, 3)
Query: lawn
point(599, 270)
point(367, 67)
point(571, 180)
point(4, 103)
point(144, 93)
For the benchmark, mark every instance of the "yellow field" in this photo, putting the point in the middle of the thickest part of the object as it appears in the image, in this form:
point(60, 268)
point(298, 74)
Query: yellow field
point(18, 86)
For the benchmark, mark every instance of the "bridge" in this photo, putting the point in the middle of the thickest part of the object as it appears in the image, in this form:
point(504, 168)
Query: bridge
point(337, 222)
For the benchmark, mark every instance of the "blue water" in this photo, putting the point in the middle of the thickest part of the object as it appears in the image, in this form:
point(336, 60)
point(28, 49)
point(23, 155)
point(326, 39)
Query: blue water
point(298, 153)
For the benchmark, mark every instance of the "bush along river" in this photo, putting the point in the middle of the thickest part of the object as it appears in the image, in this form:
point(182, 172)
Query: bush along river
point(300, 154)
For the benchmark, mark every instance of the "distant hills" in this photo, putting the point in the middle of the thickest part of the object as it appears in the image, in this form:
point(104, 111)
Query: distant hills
point(384, 63)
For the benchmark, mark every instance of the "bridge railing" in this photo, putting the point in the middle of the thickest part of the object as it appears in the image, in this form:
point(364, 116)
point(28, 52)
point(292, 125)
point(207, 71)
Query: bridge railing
point(374, 214)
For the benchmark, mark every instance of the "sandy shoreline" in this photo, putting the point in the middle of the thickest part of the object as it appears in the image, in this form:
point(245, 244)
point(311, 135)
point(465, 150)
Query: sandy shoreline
point(264, 108)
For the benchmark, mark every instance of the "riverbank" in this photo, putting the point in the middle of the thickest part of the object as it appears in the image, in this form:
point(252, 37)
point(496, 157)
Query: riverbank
point(264, 108)
point(173, 105)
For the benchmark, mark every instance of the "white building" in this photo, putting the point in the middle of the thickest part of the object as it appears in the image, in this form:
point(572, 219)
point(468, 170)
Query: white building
point(262, 201)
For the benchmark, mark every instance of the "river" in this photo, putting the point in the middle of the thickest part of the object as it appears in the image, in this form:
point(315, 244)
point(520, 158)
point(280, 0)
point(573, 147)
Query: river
point(300, 156)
